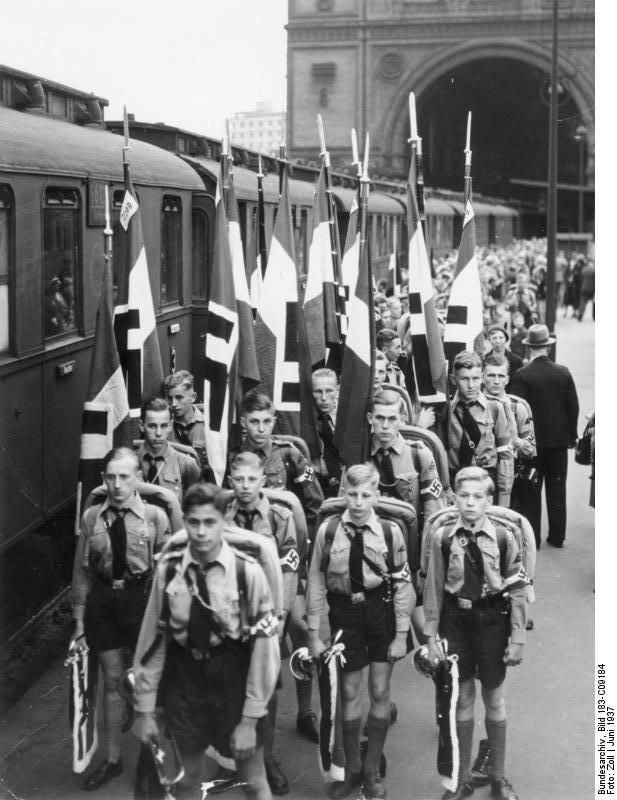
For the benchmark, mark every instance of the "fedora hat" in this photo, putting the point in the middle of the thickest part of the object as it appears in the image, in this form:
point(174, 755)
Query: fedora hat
point(537, 336)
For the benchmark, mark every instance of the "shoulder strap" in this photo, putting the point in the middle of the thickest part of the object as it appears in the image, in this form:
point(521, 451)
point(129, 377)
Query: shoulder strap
point(446, 545)
point(170, 568)
point(328, 539)
point(415, 455)
point(388, 536)
point(241, 579)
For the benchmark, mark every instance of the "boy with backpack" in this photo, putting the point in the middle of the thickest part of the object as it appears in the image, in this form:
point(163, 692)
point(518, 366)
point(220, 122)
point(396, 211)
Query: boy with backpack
point(251, 509)
point(359, 567)
point(475, 598)
point(219, 650)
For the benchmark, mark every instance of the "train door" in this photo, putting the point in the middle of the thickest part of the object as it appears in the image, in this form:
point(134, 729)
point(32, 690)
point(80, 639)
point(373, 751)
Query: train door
point(202, 253)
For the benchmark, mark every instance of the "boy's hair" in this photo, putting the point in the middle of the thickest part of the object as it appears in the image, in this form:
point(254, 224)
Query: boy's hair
point(386, 397)
point(204, 494)
point(256, 401)
point(466, 359)
point(474, 474)
point(361, 473)
point(385, 337)
point(324, 372)
point(156, 404)
point(495, 360)
point(120, 452)
point(246, 459)
point(380, 355)
point(181, 378)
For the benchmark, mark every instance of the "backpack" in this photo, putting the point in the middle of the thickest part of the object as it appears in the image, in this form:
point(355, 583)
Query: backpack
point(388, 510)
point(501, 517)
point(412, 433)
point(151, 494)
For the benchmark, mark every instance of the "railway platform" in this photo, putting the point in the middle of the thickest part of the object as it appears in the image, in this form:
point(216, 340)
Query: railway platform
point(550, 696)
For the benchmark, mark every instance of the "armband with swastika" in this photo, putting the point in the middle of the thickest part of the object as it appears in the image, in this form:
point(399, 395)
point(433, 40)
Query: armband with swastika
point(266, 627)
point(291, 561)
point(307, 475)
point(402, 573)
point(434, 488)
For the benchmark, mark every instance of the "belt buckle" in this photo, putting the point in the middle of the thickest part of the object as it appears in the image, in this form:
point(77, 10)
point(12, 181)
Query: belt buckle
point(118, 584)
point(357, 597)
point(197, 654)
point(464, 603)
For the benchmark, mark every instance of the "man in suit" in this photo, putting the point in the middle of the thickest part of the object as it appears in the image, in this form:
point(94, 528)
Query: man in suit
point(550, 391)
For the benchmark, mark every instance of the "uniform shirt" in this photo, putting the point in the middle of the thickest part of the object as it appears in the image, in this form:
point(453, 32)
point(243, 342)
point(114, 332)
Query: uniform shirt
point(329, 483)
point(437, 582)
point(286, 468)
point(522, 432)
point(232, 619)
point(147, 528)
point(278, 523)
point(494, 449)
point(192, 431)
point(394, 375)
point(177, 471)
point(422, 490)
point(336, 578)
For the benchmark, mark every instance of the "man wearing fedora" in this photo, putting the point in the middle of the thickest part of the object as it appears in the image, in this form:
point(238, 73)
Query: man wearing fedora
point(550, 391)
point(498, 338)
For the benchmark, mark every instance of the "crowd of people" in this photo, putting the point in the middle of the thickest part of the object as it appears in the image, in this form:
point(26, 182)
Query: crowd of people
point(162, 572)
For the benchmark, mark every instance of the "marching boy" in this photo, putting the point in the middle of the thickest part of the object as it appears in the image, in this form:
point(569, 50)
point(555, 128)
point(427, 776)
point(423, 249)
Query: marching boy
point(250, 509)
point(351, 573)
point(474, 597)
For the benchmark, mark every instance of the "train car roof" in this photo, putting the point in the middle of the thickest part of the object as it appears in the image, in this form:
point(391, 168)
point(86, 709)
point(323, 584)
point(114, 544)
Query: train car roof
point(378, 202)
point(435, 205)
point(245, 182)
point(44, 146)
point(503, 211)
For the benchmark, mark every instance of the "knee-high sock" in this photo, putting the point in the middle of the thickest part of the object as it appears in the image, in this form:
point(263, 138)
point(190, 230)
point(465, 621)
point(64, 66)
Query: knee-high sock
point(464, 732)
point(268, 736)
point(377, 733)
point(304, 690)
point(351, 745)
point(113, 706)
point(496, 731)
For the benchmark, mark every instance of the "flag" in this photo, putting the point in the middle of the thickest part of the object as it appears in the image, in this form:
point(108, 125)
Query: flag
point(258, 265)
point(134, 321)
point(351, 434)
point(220, 384)
point(393, 277)
point(428, 360)
point(350, 260)
point(320, 294)
point(464, 320)
point(276, 326)
point(248, 370)
point(105, 417)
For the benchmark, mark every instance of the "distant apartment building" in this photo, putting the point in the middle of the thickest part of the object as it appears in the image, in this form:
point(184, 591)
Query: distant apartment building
point(262, 129)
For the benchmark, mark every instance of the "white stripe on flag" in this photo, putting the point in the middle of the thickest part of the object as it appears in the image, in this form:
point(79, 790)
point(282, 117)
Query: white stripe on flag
point(95, 446)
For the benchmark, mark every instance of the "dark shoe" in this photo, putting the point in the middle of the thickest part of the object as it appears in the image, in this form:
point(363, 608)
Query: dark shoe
point(502, 790)
point(481, 771)
point(103, 773)
point(373, 786)
point(308, 727)
point(277, 781)
point(340, 789)
point(463, 790)
point(529, 626)
point(554, 544)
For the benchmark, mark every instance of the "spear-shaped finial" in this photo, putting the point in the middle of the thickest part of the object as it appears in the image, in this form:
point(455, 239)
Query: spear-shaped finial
point(260, 172)
point(468, 141)
point(127, 146)
point(108, 229)
point(355, 158)
point(413, 124)
point(365, 165)
point(322, 141)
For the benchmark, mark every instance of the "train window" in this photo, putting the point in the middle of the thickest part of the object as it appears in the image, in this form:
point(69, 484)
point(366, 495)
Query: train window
point(171, 250)
point(61, 236)
point(201, 237)
point(5, 253)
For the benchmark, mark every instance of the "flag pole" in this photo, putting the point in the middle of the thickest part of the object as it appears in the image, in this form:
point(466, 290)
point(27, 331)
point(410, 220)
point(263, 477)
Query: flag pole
point(282, 159)
point(364, 260)
point(335, 244)
point(468, 160)
point(261, 233)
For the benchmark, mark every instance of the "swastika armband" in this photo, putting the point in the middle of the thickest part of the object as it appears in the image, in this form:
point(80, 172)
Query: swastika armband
point(433, 488)
point(403, 573)
point(307, 475)
point(266, 627)
point(291, 561)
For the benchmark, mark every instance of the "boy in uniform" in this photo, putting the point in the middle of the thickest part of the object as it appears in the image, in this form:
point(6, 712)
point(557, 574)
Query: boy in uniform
point(478, 433)
point(474, 597)
point(188, 424)
point(219, 652)
point(251, 510)
point(113, 563)
point(352, 575)
point(160, 463)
